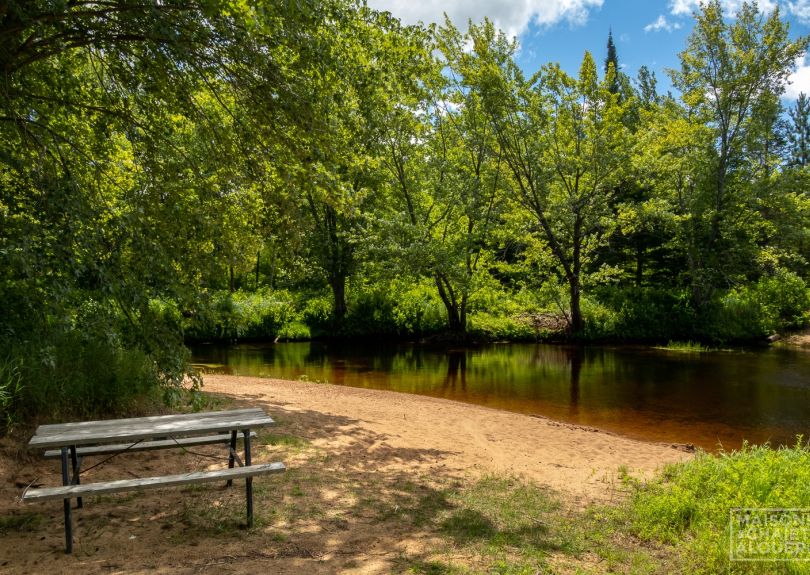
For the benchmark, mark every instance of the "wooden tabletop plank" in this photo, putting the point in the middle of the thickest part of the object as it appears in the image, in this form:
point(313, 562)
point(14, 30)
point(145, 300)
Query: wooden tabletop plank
point(60, 427)
point(135, 429)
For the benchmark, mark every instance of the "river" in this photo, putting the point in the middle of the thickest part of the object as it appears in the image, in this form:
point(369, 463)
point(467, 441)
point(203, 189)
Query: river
point(710, 399)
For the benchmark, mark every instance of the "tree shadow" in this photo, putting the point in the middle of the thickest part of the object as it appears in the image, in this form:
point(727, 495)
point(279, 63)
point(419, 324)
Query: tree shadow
point(349, 498)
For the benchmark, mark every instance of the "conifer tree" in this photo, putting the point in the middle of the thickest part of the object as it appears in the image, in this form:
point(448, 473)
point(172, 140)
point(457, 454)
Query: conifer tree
point(612, 58)
point(800, 132)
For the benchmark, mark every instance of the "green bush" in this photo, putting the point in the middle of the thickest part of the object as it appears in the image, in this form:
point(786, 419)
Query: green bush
point(492, 327)
point(75, 374)
point(371, 313)
point(780, 301)
point(498, 314)
point(243, 315)
point(318, 315)
point(689, 504)
point(418, 311)
point(638, 314)
point(11, 389)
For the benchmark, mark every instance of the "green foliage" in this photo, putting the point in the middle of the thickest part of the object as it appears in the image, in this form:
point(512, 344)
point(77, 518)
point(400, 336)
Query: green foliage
point(638, 314)
point(213, 170)
point(497, 315)
point(11, 388)
point(689, 504)
point(418, 310)
point(685, 347)
point(265, 314)
point(752, 312)
point(76, 376)
point(317, 315)
point(394, 310)
point(783, 298)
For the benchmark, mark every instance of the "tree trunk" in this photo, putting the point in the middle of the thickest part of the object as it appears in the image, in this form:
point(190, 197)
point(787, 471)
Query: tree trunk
point(454, 314)
point(231, 285)
point(258, 261)
point(576, 310)
point(338, 285)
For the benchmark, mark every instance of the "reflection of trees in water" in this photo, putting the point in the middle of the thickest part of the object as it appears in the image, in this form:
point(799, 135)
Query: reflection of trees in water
point(576, 357)
point(456, 370)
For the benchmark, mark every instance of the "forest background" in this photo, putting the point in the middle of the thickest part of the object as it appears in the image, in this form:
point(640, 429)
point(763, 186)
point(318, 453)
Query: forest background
point(229, 170)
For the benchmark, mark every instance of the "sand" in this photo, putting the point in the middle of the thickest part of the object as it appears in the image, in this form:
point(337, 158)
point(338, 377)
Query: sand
point(356, 436)
point(454, 437)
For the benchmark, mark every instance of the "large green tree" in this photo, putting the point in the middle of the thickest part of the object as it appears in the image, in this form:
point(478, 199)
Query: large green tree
point(566, 146)
point(730, 73)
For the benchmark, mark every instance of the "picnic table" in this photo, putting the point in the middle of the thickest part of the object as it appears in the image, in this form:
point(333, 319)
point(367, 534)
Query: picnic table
point(112, 437)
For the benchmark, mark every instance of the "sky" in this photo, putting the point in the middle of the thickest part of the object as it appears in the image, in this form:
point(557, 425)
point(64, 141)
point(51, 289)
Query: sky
point(646, 32)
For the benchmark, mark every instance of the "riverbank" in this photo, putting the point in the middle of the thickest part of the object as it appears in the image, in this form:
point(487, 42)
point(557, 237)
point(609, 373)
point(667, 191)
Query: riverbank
point(378, 482)
point(451, 437)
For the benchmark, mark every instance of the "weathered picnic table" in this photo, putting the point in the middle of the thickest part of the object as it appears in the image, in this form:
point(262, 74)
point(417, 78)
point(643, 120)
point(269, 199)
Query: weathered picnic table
point(117, 436)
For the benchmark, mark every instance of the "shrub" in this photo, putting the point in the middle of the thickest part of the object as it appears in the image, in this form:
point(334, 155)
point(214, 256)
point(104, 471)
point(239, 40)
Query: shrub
point(497, 314)
point(689, 504)
point(243, 315)
point(317, 315)
point(11, 388)
point(418, 311)
point(782, 301)
point(638, 314)
point(75, 374)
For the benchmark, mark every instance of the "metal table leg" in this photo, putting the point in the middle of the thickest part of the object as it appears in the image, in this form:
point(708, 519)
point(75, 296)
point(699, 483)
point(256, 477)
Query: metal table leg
point(232, 455)
point(76, 480)
point(248, 481)
point(68, 517)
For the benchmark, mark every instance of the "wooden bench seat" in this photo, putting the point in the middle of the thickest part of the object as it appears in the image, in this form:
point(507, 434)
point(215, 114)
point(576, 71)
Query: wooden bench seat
point(86, 489)
point(147, 445)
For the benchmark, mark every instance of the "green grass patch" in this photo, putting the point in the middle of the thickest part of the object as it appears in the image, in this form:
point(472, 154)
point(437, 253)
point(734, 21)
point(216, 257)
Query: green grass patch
point(689, 505)
point(684, 347)
point(509, 526)
point(23, 522)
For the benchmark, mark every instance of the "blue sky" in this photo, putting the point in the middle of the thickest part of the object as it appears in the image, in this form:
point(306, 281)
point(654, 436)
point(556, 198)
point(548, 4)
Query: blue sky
point(650, 33)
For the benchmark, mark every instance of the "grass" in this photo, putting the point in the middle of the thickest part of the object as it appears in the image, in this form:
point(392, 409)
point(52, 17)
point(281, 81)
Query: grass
point(324, 506)
point(684, 347)
point(497, 524)
point(688, 507)
point(24, 522)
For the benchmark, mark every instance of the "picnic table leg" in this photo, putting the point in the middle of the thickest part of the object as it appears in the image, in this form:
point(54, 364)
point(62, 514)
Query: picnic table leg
point(75, 462)
point(68, 518)
point(231, 457)
point(248, 481)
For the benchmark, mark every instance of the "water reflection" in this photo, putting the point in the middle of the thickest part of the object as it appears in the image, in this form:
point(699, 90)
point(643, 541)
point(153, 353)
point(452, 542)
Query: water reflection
point(707, 399)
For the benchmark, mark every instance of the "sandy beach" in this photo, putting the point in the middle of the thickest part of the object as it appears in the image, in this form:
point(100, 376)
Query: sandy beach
point(339, 443)
point(452, 436)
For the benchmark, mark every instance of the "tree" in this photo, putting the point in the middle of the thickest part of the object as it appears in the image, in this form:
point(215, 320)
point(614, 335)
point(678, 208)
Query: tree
point(729, 71)
point(135, 139)
point(799, 132)
point(447, 181)
point(612, 61)
point(647, 92)
point(566, 147)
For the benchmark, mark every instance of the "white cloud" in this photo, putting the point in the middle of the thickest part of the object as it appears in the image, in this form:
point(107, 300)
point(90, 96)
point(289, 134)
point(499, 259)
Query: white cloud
point(800, 9)
point(662, 24)
point(799, 81)
point(730, 7)
point(511, 16)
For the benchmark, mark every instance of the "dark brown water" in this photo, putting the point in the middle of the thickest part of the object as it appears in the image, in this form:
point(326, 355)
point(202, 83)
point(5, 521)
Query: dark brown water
point(709, 399)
